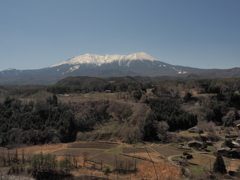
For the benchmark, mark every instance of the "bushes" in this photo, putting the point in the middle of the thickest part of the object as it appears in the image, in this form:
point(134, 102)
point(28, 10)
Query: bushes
point(107, 171)
point(44, 162)
point(187, 155)
point(48, 163)
point(46, 166)
point(65, 165)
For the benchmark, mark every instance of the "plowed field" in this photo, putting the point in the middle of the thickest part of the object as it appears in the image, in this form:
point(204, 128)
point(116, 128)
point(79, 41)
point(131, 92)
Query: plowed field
point(134, 150)
point(94, 145)
point(76, 152)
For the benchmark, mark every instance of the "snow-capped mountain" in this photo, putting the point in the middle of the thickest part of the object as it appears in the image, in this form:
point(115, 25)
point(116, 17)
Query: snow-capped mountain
point(136, 64)
point(100, 60)
point(136, 61)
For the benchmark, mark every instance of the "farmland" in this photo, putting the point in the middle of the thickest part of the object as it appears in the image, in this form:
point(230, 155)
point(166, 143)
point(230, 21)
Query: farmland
point(93, 157)
point(166, 151)
point(136, 126)
point(94, 145)
point(135, 150)
point(76, 152)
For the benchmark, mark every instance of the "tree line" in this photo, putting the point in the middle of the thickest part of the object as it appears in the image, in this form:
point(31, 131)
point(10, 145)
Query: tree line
point(37, 122)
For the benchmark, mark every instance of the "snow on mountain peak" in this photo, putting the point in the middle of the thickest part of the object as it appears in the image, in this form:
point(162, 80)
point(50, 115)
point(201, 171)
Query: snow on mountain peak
point(140, 56)
point(99, 60)
point(10, 69)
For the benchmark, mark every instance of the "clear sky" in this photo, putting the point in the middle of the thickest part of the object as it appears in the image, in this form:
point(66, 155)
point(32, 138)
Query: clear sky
point(197, 33)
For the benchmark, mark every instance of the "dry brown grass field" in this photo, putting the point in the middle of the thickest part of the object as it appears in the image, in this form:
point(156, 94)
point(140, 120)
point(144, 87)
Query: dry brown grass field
point(103, 153)
point(206, 160)
point(163, 171)
point(166, 151)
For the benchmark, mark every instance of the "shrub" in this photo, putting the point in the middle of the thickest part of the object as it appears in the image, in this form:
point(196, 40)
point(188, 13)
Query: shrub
point(107, 171)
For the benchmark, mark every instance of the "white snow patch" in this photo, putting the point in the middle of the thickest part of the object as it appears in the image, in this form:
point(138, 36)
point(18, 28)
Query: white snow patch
point(182, 72)
point(73, 68)
point(10, 69)
point(128, 64)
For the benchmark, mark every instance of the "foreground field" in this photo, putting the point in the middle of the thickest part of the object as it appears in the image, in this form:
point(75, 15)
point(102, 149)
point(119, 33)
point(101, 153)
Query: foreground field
point(152, 161)
point(92, 158)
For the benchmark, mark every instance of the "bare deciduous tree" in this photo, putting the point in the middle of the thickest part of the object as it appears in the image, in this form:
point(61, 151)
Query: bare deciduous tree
point(85, 157)
point(162, 128)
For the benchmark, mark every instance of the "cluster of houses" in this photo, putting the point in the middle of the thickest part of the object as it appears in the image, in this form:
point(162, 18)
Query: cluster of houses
point(224, 151)
point(228, 152)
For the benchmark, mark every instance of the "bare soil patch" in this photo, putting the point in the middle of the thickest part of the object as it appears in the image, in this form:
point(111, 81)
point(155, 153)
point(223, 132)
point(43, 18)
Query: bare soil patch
point(134, 150)
point(76, 152)
point(110, 158)
point(166, 151)
point(93, 145)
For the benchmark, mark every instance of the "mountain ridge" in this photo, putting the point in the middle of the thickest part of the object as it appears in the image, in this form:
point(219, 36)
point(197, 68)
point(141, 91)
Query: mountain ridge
point(136, 64)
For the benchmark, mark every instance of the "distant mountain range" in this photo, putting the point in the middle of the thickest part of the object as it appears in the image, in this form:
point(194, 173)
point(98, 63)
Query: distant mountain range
point(136, 64)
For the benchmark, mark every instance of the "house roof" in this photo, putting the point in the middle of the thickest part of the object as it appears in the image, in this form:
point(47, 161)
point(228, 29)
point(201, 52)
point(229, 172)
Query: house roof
point(224, 149)
point(236, 150)
point(193, 128)
point(235, 143)
point(195, 141)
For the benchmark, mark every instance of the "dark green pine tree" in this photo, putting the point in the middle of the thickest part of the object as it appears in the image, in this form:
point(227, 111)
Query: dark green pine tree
point(219, 165)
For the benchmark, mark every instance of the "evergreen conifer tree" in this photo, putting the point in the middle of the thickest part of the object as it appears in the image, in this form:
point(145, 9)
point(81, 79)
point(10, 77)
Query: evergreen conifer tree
point(219, 165)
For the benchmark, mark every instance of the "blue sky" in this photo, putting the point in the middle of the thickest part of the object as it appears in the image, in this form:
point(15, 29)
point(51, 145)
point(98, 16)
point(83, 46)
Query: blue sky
point(198, 33)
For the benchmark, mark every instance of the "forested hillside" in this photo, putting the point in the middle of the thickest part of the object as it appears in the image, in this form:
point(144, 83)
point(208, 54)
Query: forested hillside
point(141, 111)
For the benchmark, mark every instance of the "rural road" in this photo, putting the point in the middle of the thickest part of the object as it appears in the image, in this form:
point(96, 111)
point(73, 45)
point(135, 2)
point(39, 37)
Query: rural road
point(189, 173)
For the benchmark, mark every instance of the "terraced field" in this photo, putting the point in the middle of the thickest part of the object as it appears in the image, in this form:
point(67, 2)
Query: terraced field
point(135, 150)
point(93, 145)
point(76, 152)
point(166, 151)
